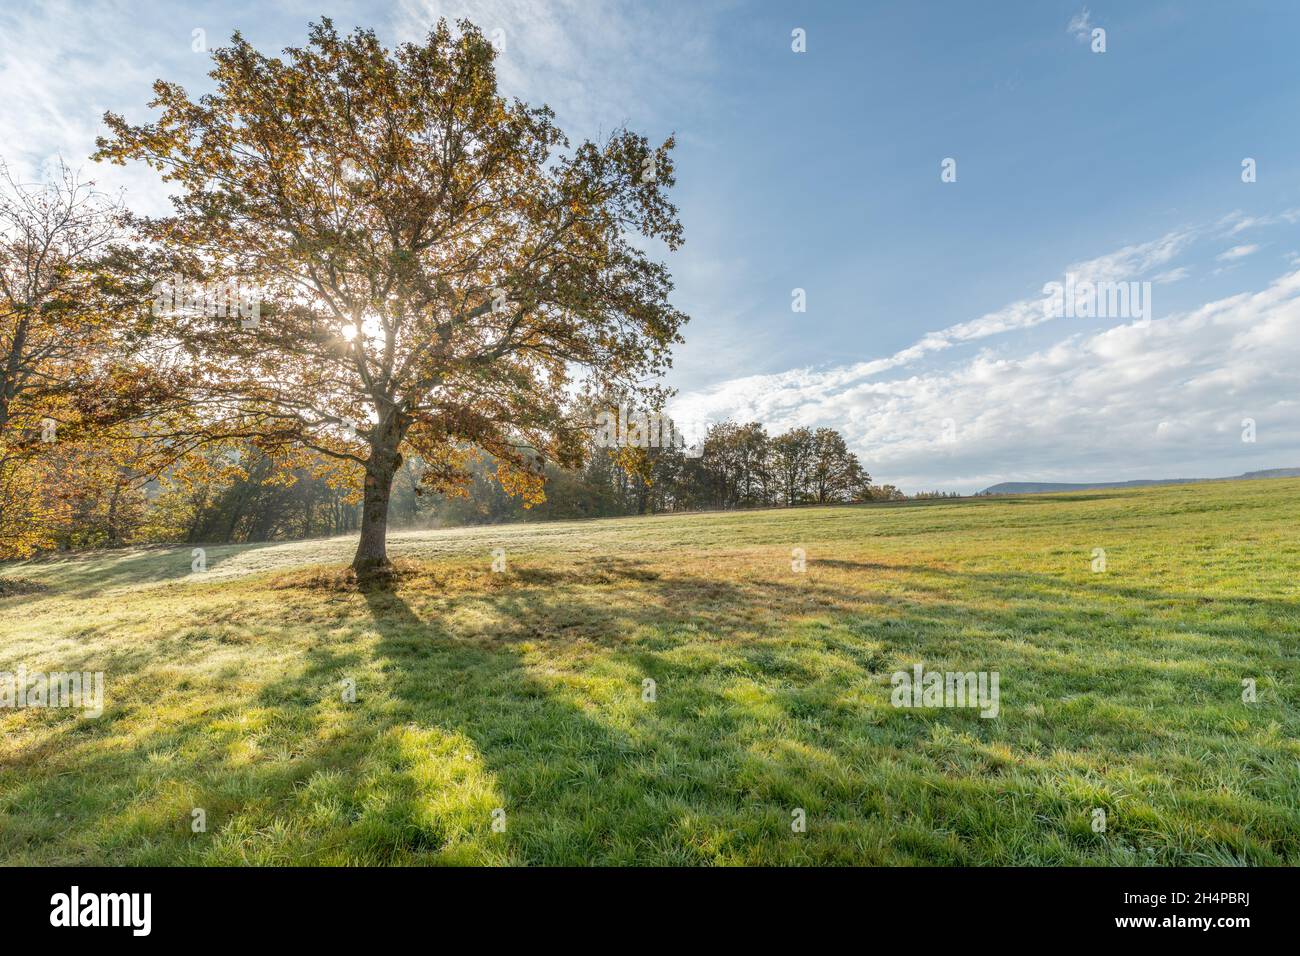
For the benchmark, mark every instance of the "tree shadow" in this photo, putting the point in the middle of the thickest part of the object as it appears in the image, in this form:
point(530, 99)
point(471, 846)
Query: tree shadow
point(526, 693)
point(558, 756)
point(92, 573)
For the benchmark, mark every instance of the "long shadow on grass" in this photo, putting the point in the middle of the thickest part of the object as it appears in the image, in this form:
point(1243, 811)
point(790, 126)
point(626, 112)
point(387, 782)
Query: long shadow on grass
point(743, 726)
point(589, 769)
point(93, 573)
point(771, 694)
point(574, 788)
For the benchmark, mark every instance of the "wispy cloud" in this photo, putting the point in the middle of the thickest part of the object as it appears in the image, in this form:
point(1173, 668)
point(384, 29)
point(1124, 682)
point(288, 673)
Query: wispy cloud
point(598, 63)
point(1130, 262)
point(1237, 252)
point(1173, 275)
point(1237, 222)
point(1080, 25)
point(60, 69)
point(1123, 402)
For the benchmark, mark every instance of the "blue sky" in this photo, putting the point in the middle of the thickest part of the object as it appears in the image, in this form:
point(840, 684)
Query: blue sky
point(924, 339)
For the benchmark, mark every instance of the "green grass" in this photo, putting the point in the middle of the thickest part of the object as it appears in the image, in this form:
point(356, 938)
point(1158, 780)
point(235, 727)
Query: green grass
point(523, 691)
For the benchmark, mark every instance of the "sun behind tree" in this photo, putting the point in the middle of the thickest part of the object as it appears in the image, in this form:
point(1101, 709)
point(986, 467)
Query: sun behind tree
point(436, 269)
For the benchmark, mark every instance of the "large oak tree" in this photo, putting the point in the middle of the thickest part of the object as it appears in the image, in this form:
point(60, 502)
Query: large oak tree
point(438, 269)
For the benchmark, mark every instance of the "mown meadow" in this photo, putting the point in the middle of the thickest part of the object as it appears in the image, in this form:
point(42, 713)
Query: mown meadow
point(504, 716)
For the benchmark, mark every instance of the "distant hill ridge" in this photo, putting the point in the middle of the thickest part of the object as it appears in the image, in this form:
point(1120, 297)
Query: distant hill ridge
point(1035, 487)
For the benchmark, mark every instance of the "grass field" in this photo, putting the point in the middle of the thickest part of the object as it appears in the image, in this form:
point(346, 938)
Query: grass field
point(522, 691)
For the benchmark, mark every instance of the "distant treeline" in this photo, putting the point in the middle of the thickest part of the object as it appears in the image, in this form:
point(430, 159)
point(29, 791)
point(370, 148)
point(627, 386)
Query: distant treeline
point(237, 493)
point(735, 466)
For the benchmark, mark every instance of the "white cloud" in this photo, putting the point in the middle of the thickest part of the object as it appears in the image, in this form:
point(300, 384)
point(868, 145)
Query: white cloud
point(1238, 222)
point(61, 66)
point(1163, 398)
point(1237, 252)
point(1080, 25)
point(1127, 263)
point(597, 63)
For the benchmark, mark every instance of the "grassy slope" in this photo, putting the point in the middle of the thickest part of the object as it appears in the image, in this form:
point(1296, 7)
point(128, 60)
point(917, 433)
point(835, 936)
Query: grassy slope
point(522, 691)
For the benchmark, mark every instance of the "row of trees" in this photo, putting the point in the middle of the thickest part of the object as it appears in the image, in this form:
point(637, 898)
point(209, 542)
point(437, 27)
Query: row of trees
point(238, 493)
point(736, 466)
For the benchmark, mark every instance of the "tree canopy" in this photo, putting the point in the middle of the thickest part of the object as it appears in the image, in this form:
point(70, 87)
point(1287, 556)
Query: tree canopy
point(435, 268)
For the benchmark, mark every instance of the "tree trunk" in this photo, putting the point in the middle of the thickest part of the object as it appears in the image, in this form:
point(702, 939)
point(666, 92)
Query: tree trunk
point(372, 549)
